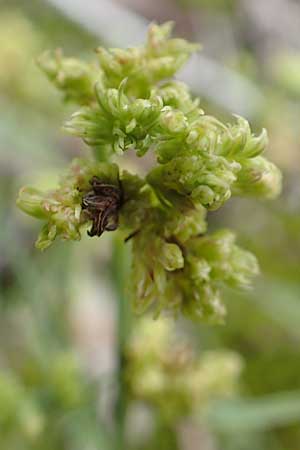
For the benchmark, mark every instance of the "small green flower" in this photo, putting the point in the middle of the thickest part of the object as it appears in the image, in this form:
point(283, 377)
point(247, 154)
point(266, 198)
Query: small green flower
point(75, 78)
point(116, 123)
point(258, 177)
point(206, 180)
point(145, 66)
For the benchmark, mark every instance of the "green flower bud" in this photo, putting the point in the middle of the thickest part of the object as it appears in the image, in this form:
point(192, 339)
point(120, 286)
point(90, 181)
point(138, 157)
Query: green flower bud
point(258, 177)
point(159, 43)
point(184, 221)
point(171, 257)
point(117, 123)
point(228, 263)
point(201, 301)
point(145, 66)
point(207, 180)
point(199, 268)
point(139, 201)
point(30, 201)
point(174, 122)
point(234, 139)
point(74, 78)
point(256, 145)
point(205, 262)
point(176, 95)
point(237, 142)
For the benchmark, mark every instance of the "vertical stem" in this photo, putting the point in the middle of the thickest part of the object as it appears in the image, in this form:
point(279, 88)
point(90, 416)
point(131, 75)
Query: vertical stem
point(166, 436)
point(119, 271)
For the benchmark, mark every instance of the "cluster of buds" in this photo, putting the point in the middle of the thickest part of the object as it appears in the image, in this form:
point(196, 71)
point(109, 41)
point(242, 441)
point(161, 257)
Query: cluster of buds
point(164, 371)
point(129, 103)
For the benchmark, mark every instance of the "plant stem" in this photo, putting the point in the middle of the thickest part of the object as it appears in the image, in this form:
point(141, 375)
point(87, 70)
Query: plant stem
point(119, 269)
point(166, 436)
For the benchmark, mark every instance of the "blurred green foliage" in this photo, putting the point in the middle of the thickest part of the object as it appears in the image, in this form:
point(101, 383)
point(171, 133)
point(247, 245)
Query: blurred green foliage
point(48, 399)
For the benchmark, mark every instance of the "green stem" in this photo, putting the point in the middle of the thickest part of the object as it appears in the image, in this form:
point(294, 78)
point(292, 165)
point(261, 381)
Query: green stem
point(166, 436)
point(119, 270)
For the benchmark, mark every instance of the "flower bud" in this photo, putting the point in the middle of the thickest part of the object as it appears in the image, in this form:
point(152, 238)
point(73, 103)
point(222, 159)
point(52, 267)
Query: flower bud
point(258, 177)
point(171, 256)
point(30, 200)
point(74, 78)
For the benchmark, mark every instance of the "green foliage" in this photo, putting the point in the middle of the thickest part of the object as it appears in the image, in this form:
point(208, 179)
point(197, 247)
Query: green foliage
point(131, 104)
point(18, 410)
point(164, 371)
point(41, 395)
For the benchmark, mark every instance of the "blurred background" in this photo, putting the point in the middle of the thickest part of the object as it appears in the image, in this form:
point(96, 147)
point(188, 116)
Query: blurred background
point(58, 323)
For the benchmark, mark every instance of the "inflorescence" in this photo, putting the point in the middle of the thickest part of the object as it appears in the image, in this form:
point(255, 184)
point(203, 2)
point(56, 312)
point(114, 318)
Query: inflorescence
point(130, 102)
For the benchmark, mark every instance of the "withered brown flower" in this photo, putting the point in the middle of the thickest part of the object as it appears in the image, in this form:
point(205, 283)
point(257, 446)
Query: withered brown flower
point(102, 205)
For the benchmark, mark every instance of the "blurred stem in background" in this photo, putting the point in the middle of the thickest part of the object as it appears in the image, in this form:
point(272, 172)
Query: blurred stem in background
point(166, 437)
point(119, 272)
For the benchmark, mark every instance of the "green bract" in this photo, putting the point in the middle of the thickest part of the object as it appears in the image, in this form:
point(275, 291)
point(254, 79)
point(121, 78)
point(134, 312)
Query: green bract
point(129, 103)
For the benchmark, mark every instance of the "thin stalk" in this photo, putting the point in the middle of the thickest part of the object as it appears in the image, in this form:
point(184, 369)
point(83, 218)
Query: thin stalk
point(119, 271)
point(166, 436)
